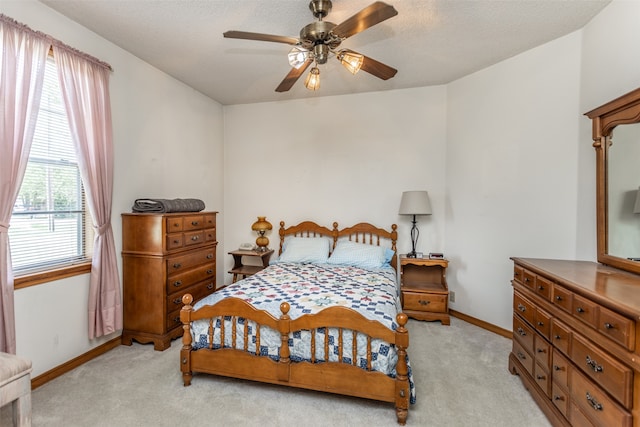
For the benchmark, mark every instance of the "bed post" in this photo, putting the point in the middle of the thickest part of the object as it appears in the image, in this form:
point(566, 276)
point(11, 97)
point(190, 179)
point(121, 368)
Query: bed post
point(185, 352)
point(402, 380)
point(284, 325)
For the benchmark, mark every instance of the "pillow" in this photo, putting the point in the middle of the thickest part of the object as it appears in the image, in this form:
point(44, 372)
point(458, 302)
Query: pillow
point(388, 255)
point(359, 255)
point(305, 250)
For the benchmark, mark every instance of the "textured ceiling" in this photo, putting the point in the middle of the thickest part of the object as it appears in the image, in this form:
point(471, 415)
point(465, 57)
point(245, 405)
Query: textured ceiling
point(430, 42)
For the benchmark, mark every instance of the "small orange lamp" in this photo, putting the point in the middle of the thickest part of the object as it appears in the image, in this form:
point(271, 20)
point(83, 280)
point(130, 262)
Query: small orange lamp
point(261, 226)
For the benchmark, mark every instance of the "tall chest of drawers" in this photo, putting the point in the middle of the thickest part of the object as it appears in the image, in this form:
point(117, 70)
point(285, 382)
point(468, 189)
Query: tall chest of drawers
point(164, 256)
point(576, 342)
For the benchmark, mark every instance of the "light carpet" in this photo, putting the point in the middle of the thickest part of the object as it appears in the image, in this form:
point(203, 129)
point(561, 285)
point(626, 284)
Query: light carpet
point(461, 375)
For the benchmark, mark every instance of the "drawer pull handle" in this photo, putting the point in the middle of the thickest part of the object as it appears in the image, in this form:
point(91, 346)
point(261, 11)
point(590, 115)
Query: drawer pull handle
point(209, 256)
point(194, 223)
point(176, 224)
point(541, 288)
point(540, 377)
point(558, 298)
point(558, 368)
point(522, 332)
point(593, 402)
point(556, 397)
point(521, 356)
point(608, 325)
point(522, 308)
point(541, 350)
point(580, 310)
point(594, 365)
point(177, 283)
point(527, 280)
point(540, 323)
point(176, 319)
point(423, 302)
point(209, 271)
point(210, 286)
point(175, 242)
point(558, 337)
point(516, 274)
point(177, 301)
point(194, 238)
point(177, 265)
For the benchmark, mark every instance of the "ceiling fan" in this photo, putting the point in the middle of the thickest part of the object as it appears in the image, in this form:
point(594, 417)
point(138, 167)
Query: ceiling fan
point(320, 39)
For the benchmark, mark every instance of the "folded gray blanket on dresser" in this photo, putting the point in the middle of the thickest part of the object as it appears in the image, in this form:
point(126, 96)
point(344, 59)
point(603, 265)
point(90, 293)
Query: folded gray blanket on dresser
point(168, 205)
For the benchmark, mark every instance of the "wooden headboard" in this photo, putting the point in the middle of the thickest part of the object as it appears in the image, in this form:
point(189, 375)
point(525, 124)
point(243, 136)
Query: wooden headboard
point(360, 233)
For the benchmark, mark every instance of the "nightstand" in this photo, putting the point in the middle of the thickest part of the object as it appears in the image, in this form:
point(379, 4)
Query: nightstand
point(424, 291)
point(240, 269)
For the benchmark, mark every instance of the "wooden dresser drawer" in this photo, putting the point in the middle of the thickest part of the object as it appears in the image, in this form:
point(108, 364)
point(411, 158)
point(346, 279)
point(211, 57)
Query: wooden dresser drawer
point(524, 307)
point(197, 291)
point(560, 369)
point(174, 224)
point(183, 280)
point(424, 301)
point(543, 287)
point(543, 323)
point(542, 351)
point(177, 264)
point(523, 356)
point(542, 378)
point(617, 327)
point(596, 404)
point(607, 372)
point(562, 298)
point(175, 241)
point(210, 235)
point(585, 310)
point(560, 398)
point(523, 333)
point(193, 222)
point(192, 238)
point(529, 279)
point(560, 336)
point(518, 274)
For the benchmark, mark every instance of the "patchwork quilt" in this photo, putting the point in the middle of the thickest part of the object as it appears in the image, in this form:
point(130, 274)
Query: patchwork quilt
point(309, 288)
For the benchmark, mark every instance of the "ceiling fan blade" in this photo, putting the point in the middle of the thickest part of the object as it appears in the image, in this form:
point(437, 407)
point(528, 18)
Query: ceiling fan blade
point(376, 68)
point(367, 17)
point(260, 37)
point(293, 77)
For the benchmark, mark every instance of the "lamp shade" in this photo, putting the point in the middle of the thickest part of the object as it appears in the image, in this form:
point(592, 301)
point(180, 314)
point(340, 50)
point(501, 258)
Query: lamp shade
point(636, 207)
point(261, 224)
point(415, 203)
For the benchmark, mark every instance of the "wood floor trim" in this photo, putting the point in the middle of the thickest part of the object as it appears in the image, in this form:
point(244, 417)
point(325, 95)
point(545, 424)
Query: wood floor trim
point(482, 324)
point(75, 362)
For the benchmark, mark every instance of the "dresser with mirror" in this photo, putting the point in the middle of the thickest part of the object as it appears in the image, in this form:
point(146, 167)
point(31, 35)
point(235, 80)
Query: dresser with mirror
point(576, 324)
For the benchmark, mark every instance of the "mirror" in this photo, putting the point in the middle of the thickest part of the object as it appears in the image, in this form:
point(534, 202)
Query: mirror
point(616, 136)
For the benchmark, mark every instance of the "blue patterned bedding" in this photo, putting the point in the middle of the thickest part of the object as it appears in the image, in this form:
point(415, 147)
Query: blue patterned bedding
point(309, 288)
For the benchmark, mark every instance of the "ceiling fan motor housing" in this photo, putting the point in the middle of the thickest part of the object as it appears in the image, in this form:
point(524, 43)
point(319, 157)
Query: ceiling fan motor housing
point(320, 8)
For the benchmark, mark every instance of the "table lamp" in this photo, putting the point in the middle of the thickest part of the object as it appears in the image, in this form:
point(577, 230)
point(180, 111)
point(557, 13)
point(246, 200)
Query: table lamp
point(261, 226)
point(414, 203)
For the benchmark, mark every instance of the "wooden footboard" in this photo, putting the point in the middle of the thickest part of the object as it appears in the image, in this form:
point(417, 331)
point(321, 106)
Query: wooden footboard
point(333, 377)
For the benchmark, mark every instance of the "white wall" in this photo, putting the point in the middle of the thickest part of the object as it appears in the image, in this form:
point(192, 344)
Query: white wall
point(344, 158)
point(168, 143)
point(610, 68)
point(512, 137)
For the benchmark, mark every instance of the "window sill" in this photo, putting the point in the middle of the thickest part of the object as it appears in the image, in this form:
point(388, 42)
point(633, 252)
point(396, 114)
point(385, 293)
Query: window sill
point(51, 275)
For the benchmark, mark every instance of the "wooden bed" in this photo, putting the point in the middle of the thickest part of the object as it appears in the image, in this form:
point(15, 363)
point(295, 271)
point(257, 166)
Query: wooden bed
point(333, 377)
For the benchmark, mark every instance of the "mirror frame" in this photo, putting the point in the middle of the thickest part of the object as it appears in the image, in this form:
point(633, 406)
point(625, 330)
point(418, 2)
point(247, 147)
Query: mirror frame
point(621, 111)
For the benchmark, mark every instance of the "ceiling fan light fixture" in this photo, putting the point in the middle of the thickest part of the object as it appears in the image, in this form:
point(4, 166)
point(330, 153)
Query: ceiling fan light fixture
point(298, 56)
point(313, 79)
point(352, 61)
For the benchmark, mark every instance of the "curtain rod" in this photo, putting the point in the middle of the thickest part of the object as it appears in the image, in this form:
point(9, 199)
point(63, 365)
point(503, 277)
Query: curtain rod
point(53, 41)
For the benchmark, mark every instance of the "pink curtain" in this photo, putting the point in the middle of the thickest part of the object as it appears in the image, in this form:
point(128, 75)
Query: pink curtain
point(85, 86)
point(22, 64)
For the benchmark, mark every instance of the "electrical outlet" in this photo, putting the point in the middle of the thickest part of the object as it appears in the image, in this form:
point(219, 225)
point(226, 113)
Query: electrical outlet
point(452, 296)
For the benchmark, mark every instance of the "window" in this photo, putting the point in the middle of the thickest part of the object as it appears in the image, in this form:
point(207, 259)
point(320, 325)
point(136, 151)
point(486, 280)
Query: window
point(50, 224)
